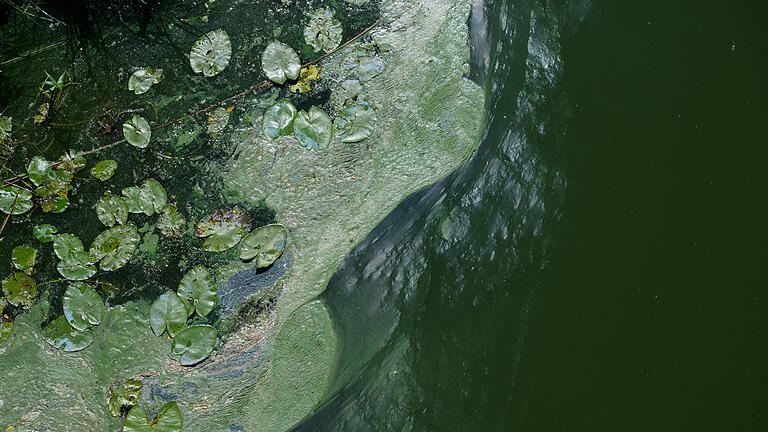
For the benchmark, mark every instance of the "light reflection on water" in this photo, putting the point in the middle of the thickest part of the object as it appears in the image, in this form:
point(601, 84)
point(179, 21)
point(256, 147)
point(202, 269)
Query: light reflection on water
point(432, 308)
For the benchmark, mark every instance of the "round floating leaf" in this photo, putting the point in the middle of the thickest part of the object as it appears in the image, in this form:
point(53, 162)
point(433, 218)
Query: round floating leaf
point(77, 267)
point(12, 194)
point(136, 420)
point(104, 170)
point(265, 244)
point(217, 120)
point(112, 210)
point(313, 129)
point(193, 344)
point(167, 313)
point(62, 336)
point(356, 123)
point(19, 289)
point(152, 197)
point(198, 288)
point(137, 131)
point(278, 119)
point(211, 53)
point(141, 80)
point(23, 258)
point(40, 171)
point(44, 233)
point(64, 245)
point(131, 195)
point(124, 396)
point(168, 420)
point(171, 222)
point(83, 308)
point(54, 205)
point(223, 229)
point(323, 31)
point(114, 247)
point(280, 62)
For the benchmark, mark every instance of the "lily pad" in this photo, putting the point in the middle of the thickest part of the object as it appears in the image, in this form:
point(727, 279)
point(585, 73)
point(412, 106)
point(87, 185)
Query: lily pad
point(44, 233)
point(131, 196)
point(278, 119)
point(83, 308)
point(20, 289)
point(167, 313)
point(356, 123)
point(313, 129)
point(199, 289)
point(23, 258)
point(152, 197)
point(137, 131)
point(217, 120)
point(112, 210)
point(171, 222)
point(141, 80)
point(77, 267)
point(75, 262)
point(65, 245)
point(223, 229)
point(62, 336)
point(124, 396)
point(54, 204)
point(211, 53)
point(114, 247)
point(40, 171)
point(168, 420)
point(280, 62)
point(12, 194)
point(104, 170)
point(323, 32)
point(265, 244)
point(194, 344)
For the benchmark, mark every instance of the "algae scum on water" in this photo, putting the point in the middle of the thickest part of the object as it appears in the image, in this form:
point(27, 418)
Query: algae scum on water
point(177, 205)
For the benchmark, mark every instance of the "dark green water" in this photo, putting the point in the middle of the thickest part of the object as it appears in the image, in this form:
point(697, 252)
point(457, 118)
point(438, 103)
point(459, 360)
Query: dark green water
point(599, 265)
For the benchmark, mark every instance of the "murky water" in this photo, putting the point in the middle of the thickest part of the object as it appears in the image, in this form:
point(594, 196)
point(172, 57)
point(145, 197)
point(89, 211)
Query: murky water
point(597, 265)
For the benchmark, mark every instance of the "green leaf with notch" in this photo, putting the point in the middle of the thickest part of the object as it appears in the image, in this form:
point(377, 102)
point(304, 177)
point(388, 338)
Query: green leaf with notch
point(167, 313)
point(114, 247)
point(40, 171)
point(194, 344)
point(356, 123)
point(104, 170)
point(44, 233)
point(16, 198)
point(313, 129)
point(83, 307)
point(23, 258)
point(264, 244)
point(280, 62)
point(199, 289)
point(141, 80)
point(137, 132)
point(112, 210)
point(223, 229)
point(278, 119)
point(211, 53)
point(62, 336)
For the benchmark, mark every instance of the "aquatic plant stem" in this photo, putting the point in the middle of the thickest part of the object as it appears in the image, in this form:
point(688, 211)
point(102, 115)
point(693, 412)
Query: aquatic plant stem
point(14, 180)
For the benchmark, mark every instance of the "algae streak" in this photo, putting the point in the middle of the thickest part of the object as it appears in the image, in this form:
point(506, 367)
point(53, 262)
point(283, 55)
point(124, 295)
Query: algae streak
point(430, 117)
